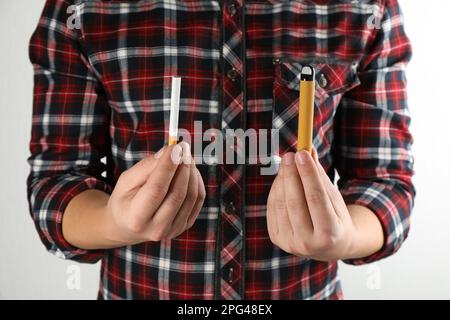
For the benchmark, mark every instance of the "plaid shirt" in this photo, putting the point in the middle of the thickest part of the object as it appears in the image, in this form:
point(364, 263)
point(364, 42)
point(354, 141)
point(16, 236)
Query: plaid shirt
point(103, 91)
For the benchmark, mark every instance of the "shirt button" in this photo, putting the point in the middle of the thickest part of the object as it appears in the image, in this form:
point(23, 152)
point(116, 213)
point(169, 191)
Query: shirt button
point(232, 9)
point(230, 275)
point(230, 208)
point(232, 74)
point(323, 81)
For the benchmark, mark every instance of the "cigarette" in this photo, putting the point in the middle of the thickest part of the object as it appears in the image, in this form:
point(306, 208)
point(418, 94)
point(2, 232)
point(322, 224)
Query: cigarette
point(174, 110)
point(306, 109)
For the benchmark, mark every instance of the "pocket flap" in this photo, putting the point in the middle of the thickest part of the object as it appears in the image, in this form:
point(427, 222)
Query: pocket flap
point(334, 77)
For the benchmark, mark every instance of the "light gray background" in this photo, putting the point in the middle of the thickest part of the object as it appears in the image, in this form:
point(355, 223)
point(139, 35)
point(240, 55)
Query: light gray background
point(421, 268)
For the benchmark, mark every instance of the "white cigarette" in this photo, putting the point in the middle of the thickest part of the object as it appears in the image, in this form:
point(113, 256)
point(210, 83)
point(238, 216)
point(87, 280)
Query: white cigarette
point(174, 110)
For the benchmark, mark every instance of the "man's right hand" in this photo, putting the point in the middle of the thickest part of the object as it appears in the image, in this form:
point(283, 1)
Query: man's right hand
point(158, 198)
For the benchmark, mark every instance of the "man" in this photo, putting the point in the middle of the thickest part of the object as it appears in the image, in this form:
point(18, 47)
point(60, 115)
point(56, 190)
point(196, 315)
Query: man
point(166, 227)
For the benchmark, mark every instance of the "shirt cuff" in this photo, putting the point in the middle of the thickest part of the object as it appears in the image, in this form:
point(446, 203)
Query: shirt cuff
point(48, 200)
point(391, 203)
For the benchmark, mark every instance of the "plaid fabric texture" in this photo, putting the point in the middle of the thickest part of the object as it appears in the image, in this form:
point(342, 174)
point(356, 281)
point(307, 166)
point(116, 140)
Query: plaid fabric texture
point(103, 92)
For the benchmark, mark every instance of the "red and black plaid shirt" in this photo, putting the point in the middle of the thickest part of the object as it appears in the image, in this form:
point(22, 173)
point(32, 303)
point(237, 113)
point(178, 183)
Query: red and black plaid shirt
point(103, 91)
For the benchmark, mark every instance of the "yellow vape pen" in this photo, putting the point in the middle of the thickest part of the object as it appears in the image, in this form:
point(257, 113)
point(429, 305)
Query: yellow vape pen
point(306, 109)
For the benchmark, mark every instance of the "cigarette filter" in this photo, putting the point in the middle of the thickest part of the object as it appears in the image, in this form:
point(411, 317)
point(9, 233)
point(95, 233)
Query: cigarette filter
point(174, 110)
point(306, 109)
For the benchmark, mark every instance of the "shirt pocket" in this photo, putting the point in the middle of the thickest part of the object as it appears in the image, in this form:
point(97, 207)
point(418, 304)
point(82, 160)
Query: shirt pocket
point(333, 78)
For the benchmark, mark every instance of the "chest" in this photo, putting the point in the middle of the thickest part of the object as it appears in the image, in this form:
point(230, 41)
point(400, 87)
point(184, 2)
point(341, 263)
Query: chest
point(239, 62)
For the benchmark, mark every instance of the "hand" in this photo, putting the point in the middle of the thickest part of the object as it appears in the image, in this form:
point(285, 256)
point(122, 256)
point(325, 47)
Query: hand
point(306, 214)
point(158, 198)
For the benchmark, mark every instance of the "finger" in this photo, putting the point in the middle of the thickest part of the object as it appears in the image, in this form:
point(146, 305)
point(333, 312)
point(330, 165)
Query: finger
point(199, 203)
point(320, 168)
point(283, 223)
point(175, 198)
point(271, 217)
point(137, 175)
point(150, 196)
point(325, 179)
point(294, 196)
point(187, 156)
point(333, 192)
point(319, 205)
point(179, 224)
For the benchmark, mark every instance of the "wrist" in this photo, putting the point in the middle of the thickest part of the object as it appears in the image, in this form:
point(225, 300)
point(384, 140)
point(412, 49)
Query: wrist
point(367, 235)
point(108, 228)
point(113, 233)
point(354, 243)
point(87, 223)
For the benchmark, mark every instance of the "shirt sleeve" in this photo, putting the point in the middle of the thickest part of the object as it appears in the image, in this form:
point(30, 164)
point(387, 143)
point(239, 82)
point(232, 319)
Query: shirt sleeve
point(373, 143)
point(69, 129)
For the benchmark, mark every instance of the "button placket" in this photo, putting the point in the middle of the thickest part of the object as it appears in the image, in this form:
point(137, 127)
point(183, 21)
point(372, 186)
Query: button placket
point(231, 241)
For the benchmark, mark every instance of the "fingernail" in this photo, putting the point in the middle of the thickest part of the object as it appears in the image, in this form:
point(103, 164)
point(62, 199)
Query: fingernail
point(159, 153)
point(186, 153)
point(288, 159)
point(300, 156)
point(177, 153)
